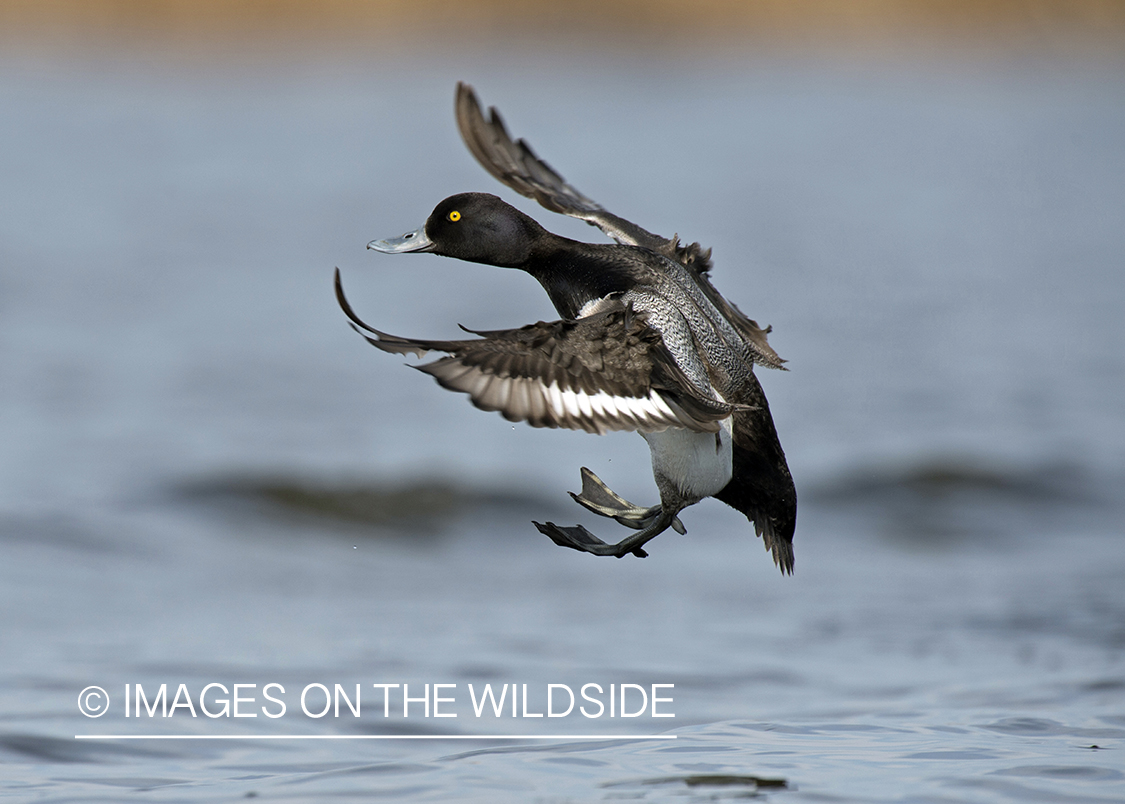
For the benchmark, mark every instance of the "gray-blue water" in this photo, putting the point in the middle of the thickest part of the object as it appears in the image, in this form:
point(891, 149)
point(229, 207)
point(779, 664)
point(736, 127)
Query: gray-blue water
point(207, 478)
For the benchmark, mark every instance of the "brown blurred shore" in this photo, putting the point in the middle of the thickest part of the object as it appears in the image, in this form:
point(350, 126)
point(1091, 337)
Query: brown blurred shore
point(249, 27)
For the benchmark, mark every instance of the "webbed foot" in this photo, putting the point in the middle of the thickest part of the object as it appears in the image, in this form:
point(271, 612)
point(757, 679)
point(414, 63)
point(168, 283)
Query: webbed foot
point(578, 538)
point(596, 496)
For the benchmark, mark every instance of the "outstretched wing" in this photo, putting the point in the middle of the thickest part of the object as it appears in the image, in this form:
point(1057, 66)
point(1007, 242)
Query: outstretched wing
point(604, 372)
point(516, 165)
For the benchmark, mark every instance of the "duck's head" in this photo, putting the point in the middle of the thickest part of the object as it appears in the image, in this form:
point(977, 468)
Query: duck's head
point(477, 227)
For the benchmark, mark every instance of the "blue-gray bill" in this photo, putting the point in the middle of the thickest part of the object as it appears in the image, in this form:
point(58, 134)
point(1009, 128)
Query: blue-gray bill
point(411, 241)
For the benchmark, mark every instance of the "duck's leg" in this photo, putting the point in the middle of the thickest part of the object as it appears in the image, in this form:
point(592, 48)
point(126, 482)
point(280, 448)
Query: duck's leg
point(596, 496)
point(599, 498)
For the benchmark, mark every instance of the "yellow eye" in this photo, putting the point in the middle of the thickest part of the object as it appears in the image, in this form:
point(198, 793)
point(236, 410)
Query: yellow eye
point(455, 216)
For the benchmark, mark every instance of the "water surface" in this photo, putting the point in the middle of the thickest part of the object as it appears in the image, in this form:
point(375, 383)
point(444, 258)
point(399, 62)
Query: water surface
point(208, 478)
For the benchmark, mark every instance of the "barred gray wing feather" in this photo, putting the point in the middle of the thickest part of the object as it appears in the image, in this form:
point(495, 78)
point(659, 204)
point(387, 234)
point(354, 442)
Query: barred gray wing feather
point(754, 335)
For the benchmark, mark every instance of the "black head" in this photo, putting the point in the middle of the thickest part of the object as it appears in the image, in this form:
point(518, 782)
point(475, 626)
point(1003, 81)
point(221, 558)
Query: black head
point(477, 227)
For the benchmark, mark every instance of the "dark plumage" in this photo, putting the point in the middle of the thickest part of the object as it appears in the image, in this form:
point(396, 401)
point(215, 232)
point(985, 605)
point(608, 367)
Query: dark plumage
point(645, 343)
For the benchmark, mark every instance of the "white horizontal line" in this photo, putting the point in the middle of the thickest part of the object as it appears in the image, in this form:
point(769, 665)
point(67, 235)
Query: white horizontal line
point(375, 736)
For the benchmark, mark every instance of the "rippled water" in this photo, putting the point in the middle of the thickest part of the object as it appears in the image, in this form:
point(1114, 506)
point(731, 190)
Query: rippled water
point(207, 478)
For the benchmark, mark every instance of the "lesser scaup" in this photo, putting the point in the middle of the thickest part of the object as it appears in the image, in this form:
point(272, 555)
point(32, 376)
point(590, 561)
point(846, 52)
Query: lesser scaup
point(645, 343)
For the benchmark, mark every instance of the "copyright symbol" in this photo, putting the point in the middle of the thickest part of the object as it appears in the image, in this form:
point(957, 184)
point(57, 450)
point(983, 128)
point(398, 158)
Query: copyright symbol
point(93, 702)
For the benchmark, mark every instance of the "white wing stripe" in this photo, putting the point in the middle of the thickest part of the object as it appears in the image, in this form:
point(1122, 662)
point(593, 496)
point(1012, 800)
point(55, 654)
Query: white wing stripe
point(598, 404)
point(541, 404)
point(662, 406)
point(584, 405)
point(554, 399)
point(570, 403)
point(637, 410)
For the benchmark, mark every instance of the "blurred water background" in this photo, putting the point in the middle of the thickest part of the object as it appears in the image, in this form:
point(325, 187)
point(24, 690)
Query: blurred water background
point(206, 476)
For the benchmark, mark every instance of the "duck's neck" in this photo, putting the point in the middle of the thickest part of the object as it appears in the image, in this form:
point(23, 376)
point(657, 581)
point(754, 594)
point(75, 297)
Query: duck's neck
point(575, 273)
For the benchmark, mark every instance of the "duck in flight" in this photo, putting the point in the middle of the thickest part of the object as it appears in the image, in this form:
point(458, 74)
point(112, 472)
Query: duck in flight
point(645, 342)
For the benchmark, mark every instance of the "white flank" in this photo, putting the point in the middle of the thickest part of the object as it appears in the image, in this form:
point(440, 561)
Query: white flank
point(691, 460)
